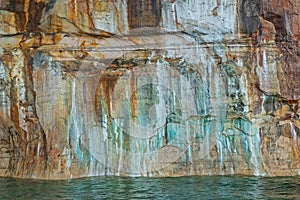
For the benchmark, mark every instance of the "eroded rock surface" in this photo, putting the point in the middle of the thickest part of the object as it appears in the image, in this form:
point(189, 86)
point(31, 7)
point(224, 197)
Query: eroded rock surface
point(149, 88)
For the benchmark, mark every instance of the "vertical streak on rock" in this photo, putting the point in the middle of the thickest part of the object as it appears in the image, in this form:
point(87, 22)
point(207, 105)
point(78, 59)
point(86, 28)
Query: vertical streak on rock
point(37, 137)
point(35, 11)
point(79, 14)
point(272, 27)
point(133, 96)
point(14, 109)
point(17, 6)
point(123, 25)
point(294, 141)
point(282, 15)
point(269, 21)
point(28, 14)
point(108, 83)
point(30, 158)
point(249, 12)
point(88, 11)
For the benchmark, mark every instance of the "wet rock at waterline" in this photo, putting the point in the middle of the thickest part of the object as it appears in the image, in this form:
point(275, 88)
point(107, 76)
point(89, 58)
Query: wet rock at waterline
point(150, 88)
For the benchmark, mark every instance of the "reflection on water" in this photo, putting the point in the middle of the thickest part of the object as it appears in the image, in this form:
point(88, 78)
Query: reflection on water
point(208, 187)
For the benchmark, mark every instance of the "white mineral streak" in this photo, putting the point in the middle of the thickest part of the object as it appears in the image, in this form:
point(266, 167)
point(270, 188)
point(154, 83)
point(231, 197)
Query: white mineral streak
point(4, 99)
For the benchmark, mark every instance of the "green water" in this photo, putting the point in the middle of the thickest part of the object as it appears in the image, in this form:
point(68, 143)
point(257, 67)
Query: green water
point(217, 187)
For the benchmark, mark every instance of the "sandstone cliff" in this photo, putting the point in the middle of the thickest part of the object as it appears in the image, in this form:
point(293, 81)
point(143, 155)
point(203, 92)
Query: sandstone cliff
point(149, 88)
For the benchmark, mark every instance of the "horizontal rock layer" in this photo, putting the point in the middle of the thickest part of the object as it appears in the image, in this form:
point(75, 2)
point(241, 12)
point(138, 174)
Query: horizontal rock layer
point(149, 88)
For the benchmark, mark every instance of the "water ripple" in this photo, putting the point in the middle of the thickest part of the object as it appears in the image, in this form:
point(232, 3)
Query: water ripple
point(206, 187)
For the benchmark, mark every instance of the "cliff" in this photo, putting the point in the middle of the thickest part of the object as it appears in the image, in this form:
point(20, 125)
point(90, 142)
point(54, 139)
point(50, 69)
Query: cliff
point(149, 88)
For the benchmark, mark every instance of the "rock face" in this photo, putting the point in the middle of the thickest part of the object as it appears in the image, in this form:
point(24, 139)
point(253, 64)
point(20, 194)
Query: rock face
point(149, 88)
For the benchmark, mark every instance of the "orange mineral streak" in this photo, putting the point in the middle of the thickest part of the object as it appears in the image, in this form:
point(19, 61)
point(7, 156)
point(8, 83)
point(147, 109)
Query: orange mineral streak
point(79, 11)
point(134, 96)
point(105, 88)
point(71, 10)
point(107, 83)
point(28, 14)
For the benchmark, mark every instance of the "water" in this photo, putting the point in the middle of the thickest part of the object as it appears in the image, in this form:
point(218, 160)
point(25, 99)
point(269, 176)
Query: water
point(208, 187)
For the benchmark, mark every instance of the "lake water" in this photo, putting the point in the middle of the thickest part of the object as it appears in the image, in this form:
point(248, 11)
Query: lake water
point(207, 187)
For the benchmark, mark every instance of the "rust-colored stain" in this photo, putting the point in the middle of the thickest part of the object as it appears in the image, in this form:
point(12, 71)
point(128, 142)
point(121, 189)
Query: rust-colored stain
point(108, 81)
point(28, 14)
point(71, 8)
point(134, 97)
point(172, 60)
point(80, 11)
point(269, 20)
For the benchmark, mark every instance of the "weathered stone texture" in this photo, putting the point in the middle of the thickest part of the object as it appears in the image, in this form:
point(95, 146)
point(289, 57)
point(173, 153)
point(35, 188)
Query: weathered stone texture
point(149, 88)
